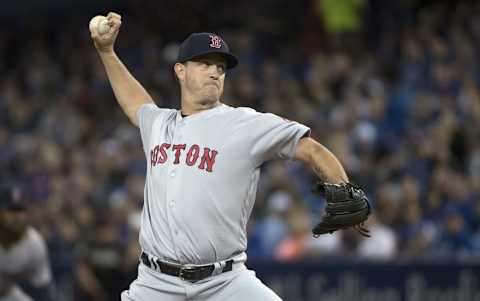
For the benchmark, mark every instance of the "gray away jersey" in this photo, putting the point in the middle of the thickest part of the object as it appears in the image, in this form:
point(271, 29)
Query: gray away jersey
point(26, 261)
point(202, 176)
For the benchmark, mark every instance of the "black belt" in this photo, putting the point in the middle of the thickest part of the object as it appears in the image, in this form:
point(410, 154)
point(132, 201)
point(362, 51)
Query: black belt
point(190, 273)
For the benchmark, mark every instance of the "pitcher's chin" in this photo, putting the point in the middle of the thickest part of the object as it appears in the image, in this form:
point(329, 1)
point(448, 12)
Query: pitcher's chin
point(210, 98)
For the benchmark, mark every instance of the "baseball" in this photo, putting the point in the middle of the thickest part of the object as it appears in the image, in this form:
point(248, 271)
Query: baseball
point(100, 23)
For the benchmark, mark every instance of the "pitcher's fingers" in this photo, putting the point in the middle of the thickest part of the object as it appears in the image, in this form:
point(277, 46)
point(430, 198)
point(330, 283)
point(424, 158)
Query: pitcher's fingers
point(112, 15)
point(114, 23)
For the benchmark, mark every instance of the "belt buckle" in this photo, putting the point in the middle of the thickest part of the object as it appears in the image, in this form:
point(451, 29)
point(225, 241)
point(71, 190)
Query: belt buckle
point(183, 269)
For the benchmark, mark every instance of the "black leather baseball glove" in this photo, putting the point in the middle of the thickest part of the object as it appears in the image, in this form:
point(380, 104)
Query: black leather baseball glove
point(347, 206)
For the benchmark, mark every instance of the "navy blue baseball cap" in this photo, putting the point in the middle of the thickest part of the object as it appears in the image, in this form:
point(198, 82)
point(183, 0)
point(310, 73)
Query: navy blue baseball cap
point(201, 43)
point(11, 198)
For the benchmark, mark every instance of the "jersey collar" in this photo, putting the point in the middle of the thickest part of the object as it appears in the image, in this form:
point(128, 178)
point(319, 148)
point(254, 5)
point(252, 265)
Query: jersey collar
point(204, 114)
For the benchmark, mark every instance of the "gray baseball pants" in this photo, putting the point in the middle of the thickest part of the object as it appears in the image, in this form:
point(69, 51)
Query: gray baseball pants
point(240, 284)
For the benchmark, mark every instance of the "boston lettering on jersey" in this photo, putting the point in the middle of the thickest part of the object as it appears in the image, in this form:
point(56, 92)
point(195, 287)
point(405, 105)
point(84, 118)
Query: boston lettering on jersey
point(159, 155)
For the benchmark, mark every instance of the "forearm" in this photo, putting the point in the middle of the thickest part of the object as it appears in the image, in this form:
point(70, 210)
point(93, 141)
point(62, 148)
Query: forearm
point(327, 166)
point(323, 162)
point(129, 93)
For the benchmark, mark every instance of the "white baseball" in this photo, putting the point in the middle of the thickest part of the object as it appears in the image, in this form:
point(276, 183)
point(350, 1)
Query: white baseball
point(100, 23)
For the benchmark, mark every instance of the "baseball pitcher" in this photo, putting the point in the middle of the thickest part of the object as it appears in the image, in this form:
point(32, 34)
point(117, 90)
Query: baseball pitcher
point(202, 174)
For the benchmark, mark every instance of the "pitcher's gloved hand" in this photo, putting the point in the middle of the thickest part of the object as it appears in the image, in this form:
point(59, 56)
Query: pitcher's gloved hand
point(347, 206)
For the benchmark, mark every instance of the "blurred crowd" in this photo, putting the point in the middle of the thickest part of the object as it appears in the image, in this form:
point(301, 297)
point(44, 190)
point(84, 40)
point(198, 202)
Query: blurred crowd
point(395, 96)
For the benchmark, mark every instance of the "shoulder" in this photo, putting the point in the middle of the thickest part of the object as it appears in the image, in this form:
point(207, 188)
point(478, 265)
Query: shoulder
point(149, 113)
point(153, 108)
point(237, 117)
point(248, 117)
point(35, 240)
point(245, 112)
point(265, 118)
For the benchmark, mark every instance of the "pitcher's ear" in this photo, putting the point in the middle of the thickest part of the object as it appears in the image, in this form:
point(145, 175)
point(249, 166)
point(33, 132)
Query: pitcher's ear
point(179, 69)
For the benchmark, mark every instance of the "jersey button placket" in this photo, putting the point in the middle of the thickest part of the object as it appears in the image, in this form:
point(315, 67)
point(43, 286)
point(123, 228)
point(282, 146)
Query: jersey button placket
point(172, 174)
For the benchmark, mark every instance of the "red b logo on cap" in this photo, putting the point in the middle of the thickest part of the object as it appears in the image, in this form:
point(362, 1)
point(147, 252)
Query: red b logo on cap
point(215, 41)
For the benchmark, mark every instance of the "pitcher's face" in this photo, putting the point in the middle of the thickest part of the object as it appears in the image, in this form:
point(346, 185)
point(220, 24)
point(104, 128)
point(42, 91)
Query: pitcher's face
point(203, 77)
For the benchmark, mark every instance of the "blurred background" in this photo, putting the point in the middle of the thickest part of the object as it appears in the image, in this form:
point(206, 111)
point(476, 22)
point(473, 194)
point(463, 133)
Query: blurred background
point(391, 87)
